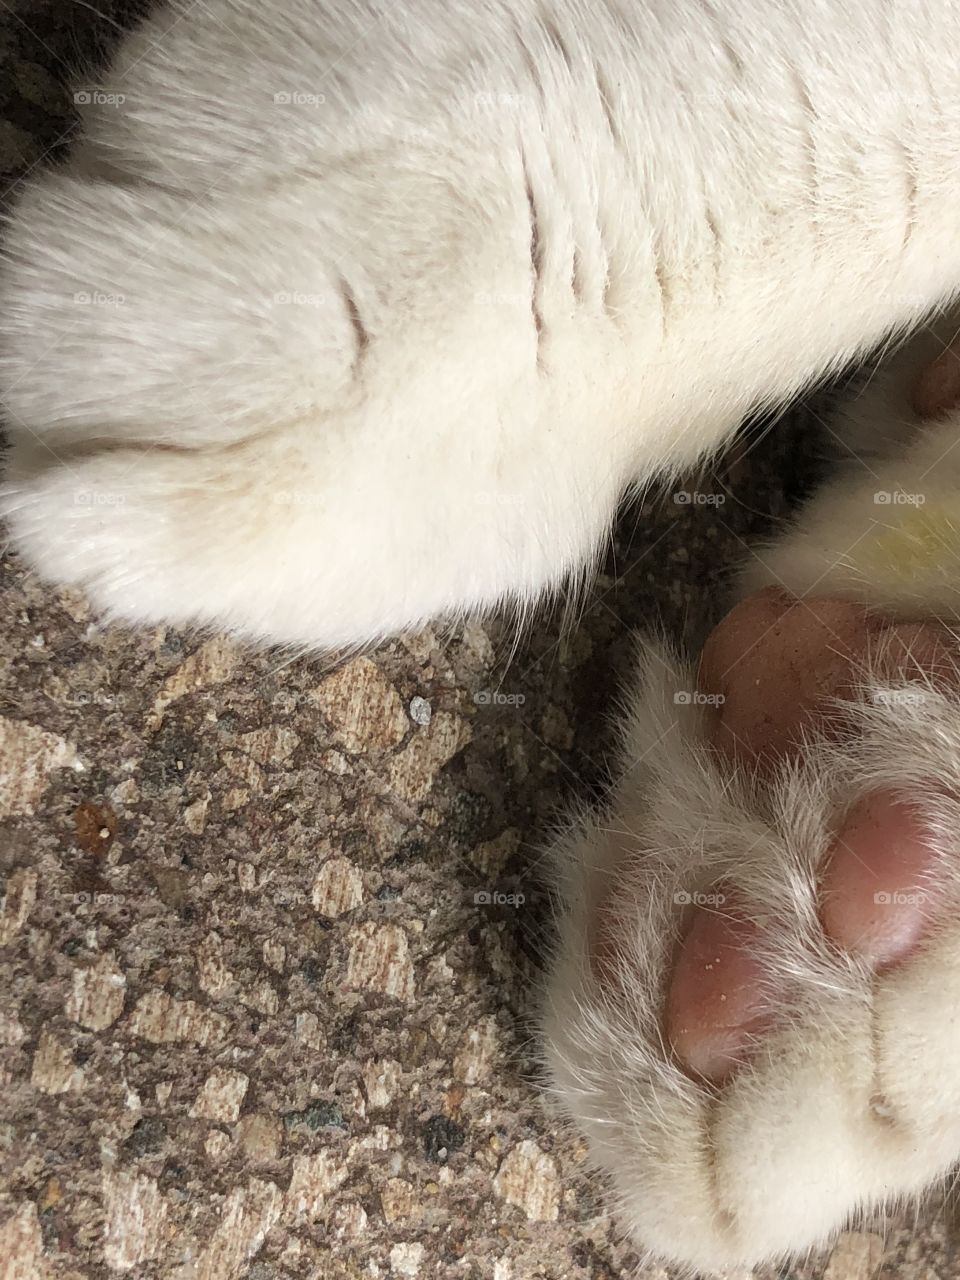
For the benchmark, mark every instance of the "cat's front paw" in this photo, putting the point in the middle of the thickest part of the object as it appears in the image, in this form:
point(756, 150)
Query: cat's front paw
point(226, 412)
point(753, 1011)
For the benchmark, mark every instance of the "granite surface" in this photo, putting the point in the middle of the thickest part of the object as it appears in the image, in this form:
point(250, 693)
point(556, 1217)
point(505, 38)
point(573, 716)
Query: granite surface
point(254, 1021)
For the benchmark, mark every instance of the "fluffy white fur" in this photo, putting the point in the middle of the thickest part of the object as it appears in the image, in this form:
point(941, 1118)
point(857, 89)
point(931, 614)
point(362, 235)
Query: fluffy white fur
point(355, 362)
point(351, 315)
point(852, 1105)
point(886, 530)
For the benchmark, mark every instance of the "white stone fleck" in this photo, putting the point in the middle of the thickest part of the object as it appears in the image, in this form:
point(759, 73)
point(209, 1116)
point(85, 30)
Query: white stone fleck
point(413, 770)
point(381, 1079)
point(271, 746)
point(53, 1069)
point(195, 815)
point(234, 798)
point(11, 1030)
point(307, 1029)
point(20, 894)
point(247, 1215)
point(247, 876)
point(213, 663)
point(212, 973)
point(363, 708)
point(28, 756)
point(222, 1096)
point(21, 1246)
point(528, 1178)
point(124, 794)
point(420, 710)
point(262, 997)
point(260, 1137)
point(96, 998)
point(406, 1259)
point(337, 889)
point(162, 1020)
point(398, 1198)
point(313, 1178)
point(217, 1144)
point(379, 960)
point(380, 1138)
point(857, 1255)
point(135, 1218)
point(475, 1052)
point(350, 1220)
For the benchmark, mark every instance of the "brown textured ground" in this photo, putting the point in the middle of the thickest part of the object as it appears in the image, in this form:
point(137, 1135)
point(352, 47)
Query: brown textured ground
point(252, 1021)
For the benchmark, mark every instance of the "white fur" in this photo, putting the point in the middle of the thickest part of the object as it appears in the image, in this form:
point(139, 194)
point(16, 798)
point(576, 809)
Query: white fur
point(887, 529)
point(349, 364)
point(853, 1104)
point(538, 252)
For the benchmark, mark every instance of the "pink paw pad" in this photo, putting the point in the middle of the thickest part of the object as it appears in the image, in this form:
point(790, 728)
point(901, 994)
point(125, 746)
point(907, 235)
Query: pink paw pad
point(875, 902)
point(717, 1002)
point(876, 889)
point(778, 662)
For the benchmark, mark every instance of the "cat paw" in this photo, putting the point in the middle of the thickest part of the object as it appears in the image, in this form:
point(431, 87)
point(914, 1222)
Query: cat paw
point(220, 413)
point(752, 1012)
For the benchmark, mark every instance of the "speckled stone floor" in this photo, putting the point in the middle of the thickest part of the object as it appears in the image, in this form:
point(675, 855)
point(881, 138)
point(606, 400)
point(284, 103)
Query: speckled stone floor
point(253, 1021)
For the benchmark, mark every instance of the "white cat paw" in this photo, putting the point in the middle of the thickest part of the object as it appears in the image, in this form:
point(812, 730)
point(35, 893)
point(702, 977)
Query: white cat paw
point(752, 1014)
